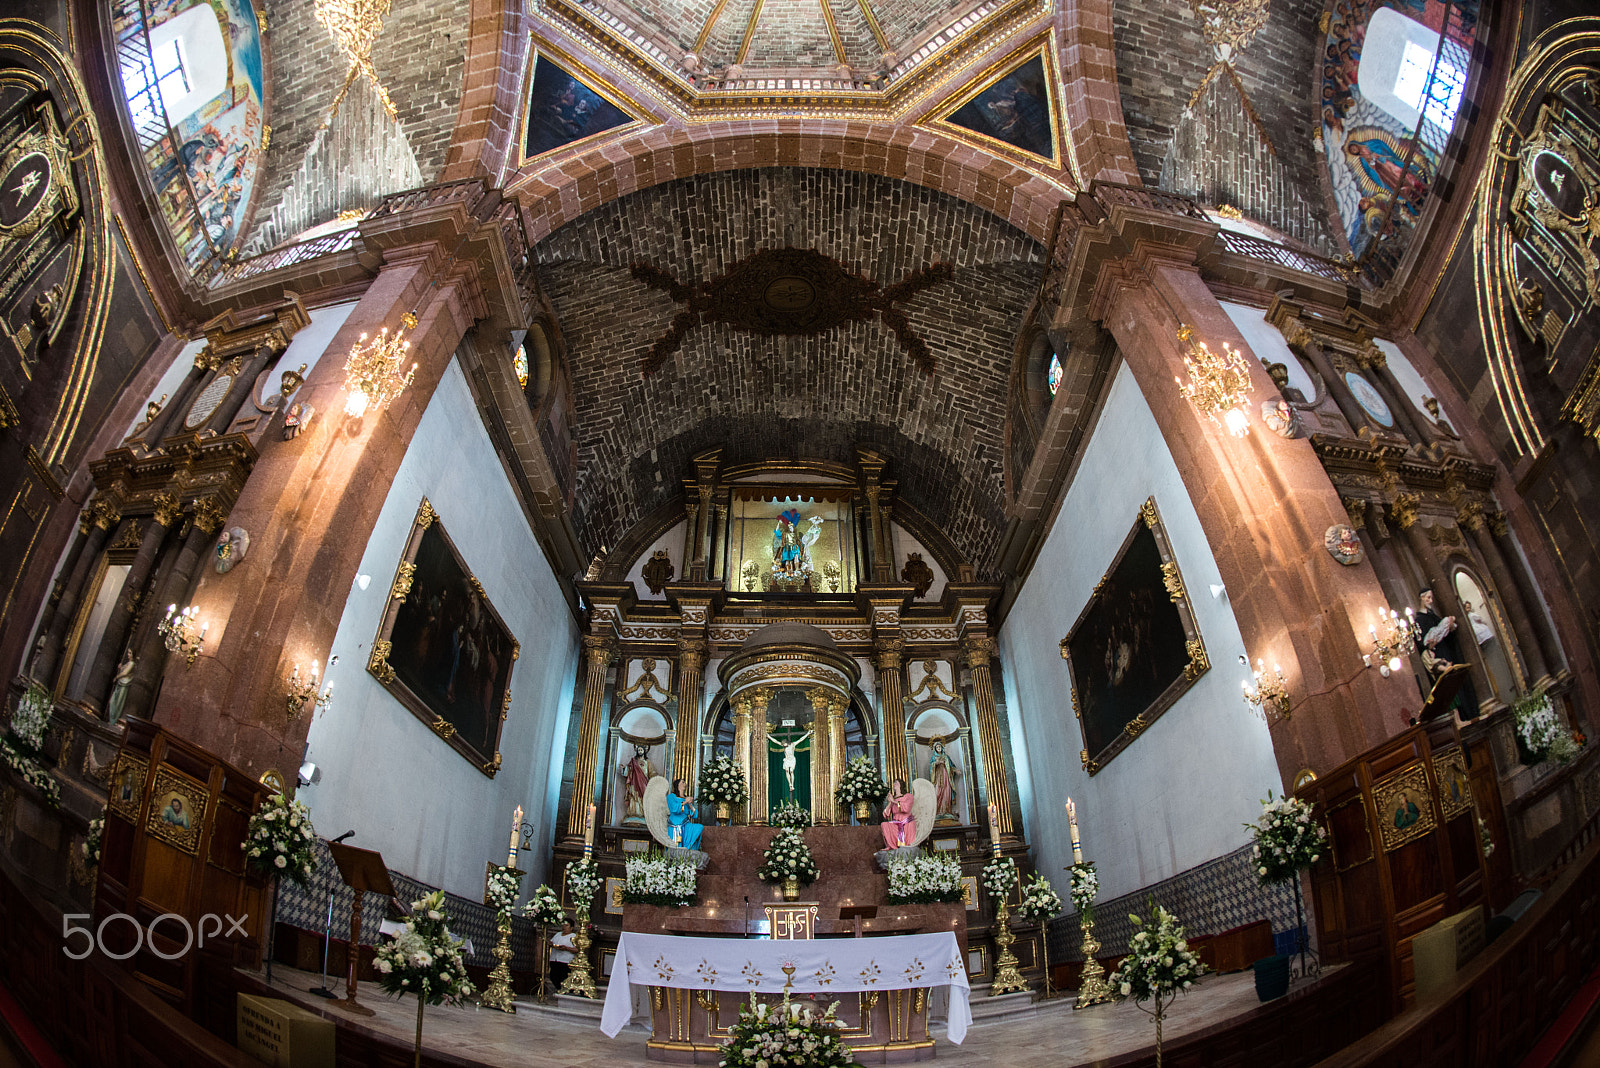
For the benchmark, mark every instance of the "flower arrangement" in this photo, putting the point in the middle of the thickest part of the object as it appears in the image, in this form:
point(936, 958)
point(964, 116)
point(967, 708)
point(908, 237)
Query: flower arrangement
point(279, 840)
point(1085, 888)
point(91, 842)
point(658, 879)
point(1040, 902)
point(722, 782)
point(999, 876)
point(1159, 963)
point(424, 960)
point(860, 782)
point(790, 1032)
point(1287, 840)
point(501, 893)
point(583, 882)
point(20, 749)
point(924, 879)
point(544, 907)
point(790, 814)
point(788, 855)
point(1541, 735)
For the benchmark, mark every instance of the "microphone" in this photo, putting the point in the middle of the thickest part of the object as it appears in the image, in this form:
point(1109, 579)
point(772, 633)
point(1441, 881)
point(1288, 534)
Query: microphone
point(747, 915)
point(346, 834)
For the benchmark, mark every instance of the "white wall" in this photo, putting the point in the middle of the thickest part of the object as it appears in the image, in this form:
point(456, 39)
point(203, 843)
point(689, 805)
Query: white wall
point(403, 789)
point(1181, 792)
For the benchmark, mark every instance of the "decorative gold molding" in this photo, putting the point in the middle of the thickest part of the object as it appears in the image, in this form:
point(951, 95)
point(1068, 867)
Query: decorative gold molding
point(378, 662)
point(402, 580)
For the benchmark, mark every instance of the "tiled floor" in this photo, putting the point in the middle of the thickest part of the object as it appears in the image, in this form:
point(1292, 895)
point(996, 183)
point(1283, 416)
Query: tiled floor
point(1049, 1035)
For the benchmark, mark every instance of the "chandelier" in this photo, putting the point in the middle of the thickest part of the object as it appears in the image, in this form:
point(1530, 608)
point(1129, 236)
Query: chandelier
point(179, 634)
point(1270, 694)
point(1218, 386)
point(354, 26)
point(1390, 637)
point(372, 373)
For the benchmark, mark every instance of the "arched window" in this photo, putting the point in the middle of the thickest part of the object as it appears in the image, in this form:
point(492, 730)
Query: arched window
point(1053, 379)
point(1399, 74)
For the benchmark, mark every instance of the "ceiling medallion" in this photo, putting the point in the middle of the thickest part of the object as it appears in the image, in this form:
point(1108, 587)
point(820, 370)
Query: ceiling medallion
point(791, 291)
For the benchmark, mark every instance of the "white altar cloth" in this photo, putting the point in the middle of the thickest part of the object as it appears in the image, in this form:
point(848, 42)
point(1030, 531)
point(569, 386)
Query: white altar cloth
point(823, 966)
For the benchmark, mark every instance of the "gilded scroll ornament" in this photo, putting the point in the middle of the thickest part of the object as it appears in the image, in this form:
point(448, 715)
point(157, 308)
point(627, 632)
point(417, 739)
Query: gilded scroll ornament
point(378, 662)
point(402, 580)
point(426, 515)
point(1199, 663)
point(1172, 580)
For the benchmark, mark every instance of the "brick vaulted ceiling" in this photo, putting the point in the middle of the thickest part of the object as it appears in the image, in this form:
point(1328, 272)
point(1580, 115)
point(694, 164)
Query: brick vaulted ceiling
point(812, 396)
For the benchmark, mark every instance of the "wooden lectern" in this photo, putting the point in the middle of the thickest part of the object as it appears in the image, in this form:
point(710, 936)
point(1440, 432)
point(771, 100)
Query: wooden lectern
point(1443, 692)
point(362, 870)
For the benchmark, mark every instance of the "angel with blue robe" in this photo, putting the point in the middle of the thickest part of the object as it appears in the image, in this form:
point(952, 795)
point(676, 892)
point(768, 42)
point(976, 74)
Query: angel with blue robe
point(681, 813)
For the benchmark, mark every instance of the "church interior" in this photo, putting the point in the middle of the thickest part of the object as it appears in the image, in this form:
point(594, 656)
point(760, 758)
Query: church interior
point(961, 484)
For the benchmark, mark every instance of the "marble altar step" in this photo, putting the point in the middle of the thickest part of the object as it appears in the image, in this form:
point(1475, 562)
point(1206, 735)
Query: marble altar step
point(987, 1010)
point(581, 1011)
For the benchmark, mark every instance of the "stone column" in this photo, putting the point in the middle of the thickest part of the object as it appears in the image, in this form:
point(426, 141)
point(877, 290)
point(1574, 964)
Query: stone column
point(702, 550)
point(1543, 638)
point(691, 681)
point(244, 381)
point(58, 587)
point(151, 657)
point(1404, 510)
point(120, 620)
point(1421, 430)
point(821, 757)
point(758, 756)
point(978, 651)
point(597, 653)
point(691, 534)
point(1301, 338)
point(891, 705)
point(204, 362)
point(102, 516)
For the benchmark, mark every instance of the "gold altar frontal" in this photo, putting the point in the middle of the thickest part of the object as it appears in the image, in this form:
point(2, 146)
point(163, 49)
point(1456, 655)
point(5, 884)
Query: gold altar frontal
point(880, 1027)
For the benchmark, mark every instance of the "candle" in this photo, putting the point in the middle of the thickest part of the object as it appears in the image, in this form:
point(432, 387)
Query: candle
point(588, 831)
point(1072, 824)
point(516, 836)
point(294, 675)
point(994, 820)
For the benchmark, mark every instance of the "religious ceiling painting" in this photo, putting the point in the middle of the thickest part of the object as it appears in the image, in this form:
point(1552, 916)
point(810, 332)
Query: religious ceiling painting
point(193, 80)
point(1536, 239)
point(442, 650)
point(1384, 125)
point(794, 540)
point(1135, 648)
point(562, 107)
point(1017, 111)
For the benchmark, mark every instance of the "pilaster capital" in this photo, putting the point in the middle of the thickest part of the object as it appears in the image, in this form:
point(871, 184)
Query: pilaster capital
point(167, 509)
point(977, 651)
point(1404, 510)
point(86, 519)
point(106, 513)
point(692, 653)
point(1470, 516)
point(1372, 357)
point(209, 515)
point(598, 650)
point(890, 654)
point(207, 359)
point(1356, 509)
point(1499, 524)
point(1296, 334)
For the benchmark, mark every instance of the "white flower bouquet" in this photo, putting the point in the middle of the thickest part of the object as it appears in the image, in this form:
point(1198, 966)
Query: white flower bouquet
point(1159, 963)
point(544, 907)
point(20, 748)
point(860, 782)
point(1286, 839)
point(1085, 888)
point(925, 879)
point(424, 959)
point(999, 876)
point(504, 884)
point(788, 855)
point(722, 782)
point(91, 843)
point(658, 879)
point(279, 840)
point(583, 882)
point(1040, 902)
point(787, 1033)
point(790, 814)
point(1541, 735)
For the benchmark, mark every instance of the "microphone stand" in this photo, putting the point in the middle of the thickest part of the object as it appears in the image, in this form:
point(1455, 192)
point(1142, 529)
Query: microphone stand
point(327, 934)
point(747, 915)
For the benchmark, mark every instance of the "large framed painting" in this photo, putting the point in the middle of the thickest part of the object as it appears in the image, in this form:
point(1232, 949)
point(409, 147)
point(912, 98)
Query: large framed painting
point(1135, 648)
point(442, 650)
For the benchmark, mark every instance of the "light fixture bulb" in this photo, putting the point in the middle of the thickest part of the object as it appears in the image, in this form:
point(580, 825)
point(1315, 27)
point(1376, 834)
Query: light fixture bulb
point(356, 404)
point(1237, 422)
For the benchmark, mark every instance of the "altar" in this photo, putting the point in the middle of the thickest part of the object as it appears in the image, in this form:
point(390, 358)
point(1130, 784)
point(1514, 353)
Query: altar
point(696, 985)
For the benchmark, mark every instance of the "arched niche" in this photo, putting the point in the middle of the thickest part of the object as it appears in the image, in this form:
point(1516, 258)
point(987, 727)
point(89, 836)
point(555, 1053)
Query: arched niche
point(941, 751)
point(640, 747)
point(1485, 624)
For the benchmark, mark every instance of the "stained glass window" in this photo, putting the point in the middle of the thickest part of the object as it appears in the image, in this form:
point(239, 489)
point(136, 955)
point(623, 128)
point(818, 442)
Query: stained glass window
point(521, 363)
point(1055, 373)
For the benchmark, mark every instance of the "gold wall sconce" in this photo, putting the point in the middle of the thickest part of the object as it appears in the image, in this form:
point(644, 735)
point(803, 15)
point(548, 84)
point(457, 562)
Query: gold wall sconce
point(1218, 386)
point(301, 691)
point(1390, 637)
point(372, 373)
point(1270, 694)
point(178, 631)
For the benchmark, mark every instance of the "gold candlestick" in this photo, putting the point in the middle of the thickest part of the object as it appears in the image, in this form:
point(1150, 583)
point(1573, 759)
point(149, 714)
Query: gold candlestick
point(1006, 976)
point(580, 982)
point(499, 995)
point(1092, 987)
point(544, 963)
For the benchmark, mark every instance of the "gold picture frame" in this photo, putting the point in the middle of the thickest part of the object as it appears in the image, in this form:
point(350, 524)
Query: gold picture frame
point(613, 895)
point(436, 609)
point(126, 798)
point(1455, 789)
point(1404, 811)
point(969, 892)
point(177, 813)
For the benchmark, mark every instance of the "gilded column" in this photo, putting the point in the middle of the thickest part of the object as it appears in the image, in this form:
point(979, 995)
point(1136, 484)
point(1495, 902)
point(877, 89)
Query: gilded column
point(836, 725)
point(691, 679)
point(757, 703)
point(821, 755)
point(1444, 594)
point(891, 701)
point(119, 622)
point(1540, 636)
point(978, 652)
point(597, 653)
point(741, 743)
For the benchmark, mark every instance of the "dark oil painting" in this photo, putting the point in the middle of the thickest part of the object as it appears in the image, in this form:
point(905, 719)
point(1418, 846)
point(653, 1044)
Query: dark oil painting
point(561, 110)
point(1015, 109)
point(449, 647)
point(1129, 647)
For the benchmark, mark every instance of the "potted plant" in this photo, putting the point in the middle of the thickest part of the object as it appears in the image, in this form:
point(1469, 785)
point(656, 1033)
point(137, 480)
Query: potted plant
point(544, 909)
point(861, 787)
point(790, 814)
point(924, 879)
point(1040, 904)
point(23, 744)
point(790, 1032)
point(424, 960)
point(722, 784)
point(1541, 736)
point(279, 842)
point(1286, 840)
point(1159, 966)
point(787, 861)
point(658, 879)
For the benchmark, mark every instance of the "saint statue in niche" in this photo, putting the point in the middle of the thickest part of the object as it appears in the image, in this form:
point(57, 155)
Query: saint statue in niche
point(942, 772)
point(789, 761)
point(791, 550)
point(635, 776)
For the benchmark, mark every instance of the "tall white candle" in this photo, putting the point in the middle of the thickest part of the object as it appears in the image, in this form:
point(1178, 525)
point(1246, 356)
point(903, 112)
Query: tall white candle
point(1072, 825)
point(516, 837)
